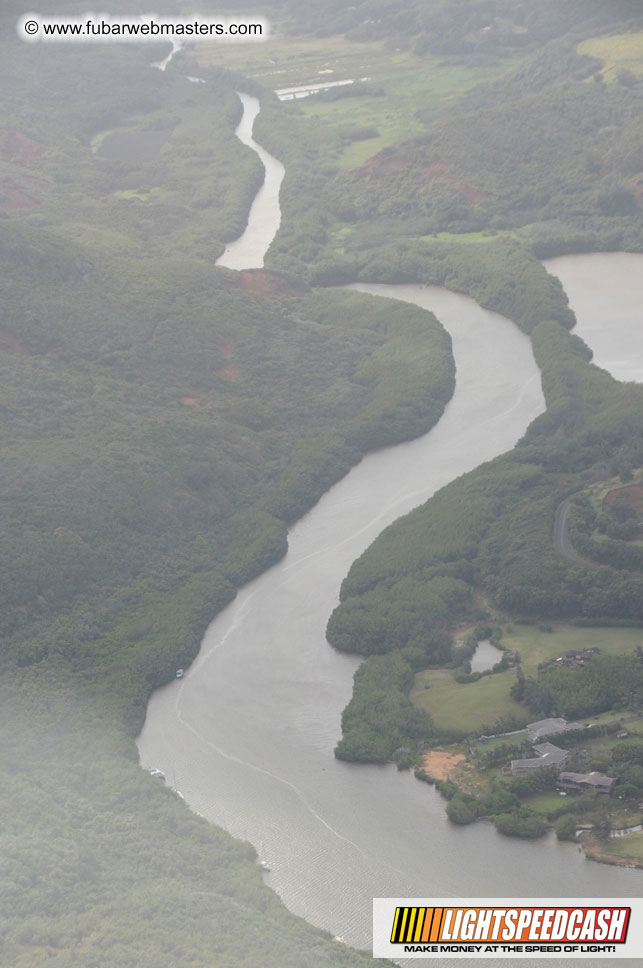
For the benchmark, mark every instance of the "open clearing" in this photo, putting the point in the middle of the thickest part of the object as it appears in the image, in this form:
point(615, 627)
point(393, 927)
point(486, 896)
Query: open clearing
point(536, 646)
point(630, 846)
point(416, 89)
point(466, 707)
point(618, 52)
point(441, 765)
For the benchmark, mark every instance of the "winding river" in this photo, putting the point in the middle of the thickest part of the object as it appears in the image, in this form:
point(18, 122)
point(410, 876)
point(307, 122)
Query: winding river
point(264, 218)
point(248, 734)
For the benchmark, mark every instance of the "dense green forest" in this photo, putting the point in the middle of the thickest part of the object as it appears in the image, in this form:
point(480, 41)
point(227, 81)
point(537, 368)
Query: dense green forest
point(605, 683)
point(462, 27)
point(609, 536)
point(539, 171)
point(165, 421)
point(547, 154)
point(491, 529)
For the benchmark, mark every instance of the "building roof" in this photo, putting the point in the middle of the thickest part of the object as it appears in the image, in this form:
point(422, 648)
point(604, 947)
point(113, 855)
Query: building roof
point(598, 779)
point(534, 763)
point(594, 779)
point(555, 753)
point(547, 755)
point(547, 727)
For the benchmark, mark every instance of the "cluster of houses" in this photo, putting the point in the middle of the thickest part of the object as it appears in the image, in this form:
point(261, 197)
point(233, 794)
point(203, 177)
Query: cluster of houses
point(577, 658)
point(547, 754)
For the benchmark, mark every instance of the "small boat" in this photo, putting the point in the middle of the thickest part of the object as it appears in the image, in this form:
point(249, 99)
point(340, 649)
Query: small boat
point(179, 673)
point(264, 866)
point(159, 773)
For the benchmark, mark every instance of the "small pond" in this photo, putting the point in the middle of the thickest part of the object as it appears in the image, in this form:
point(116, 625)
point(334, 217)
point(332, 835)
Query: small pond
point(485, 657)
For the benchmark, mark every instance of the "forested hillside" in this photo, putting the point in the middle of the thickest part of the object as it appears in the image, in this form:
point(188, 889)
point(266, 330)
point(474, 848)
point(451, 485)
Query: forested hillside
point(164, 421)
point(490, 530)
point(547, 153)
point(463, 27)
point(544, 160)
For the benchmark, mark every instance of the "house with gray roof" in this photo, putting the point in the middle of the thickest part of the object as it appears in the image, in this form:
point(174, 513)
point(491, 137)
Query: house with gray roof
point(546, 755)
point(549, 727)
point(582, 782)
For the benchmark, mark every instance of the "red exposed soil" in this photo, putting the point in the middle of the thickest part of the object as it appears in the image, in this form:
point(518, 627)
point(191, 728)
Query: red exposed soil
point(15, 146)
point(636, 185)
point(389, 165)
point(11, 344)
point(632, 492)
point(12, 198)
point(442, 765)
point(229, 373)
point(439, 171)
point(201, 404)
point(266, 282)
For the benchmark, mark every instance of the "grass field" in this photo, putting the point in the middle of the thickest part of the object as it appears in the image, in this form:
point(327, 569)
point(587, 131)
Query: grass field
point(467, 706)
point(486, 235)
point(416, 89)
point(618, 52)
point(536, 646)
point(514, 741)
point(544, 802)
point(630, 846)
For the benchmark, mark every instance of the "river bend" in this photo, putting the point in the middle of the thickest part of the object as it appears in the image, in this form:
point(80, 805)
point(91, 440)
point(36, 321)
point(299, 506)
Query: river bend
point(264, 218)
point(248, 734)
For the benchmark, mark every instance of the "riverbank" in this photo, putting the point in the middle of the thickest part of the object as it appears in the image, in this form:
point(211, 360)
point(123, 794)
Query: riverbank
point(478, 781)
point(628, 853)
point(266, 769)
point(152, 451)
point(148, 408)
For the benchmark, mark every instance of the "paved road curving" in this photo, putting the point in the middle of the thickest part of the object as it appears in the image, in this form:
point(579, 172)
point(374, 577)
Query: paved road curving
point(561, 536)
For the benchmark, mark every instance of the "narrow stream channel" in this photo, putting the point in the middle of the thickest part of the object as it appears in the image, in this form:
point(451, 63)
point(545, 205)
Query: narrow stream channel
point(248, 734)
point(264, 218)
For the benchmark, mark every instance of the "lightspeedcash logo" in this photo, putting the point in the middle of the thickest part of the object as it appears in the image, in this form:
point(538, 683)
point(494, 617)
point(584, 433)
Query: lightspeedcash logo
point(517, 928)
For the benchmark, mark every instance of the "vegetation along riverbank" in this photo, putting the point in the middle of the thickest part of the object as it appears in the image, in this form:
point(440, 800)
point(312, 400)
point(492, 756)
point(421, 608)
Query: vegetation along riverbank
point(483, 547)
point(165, 421)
